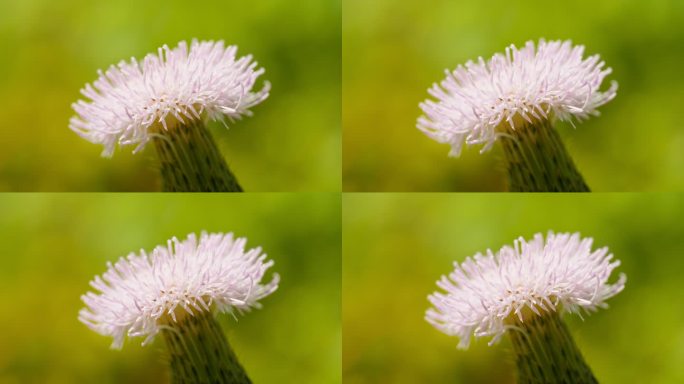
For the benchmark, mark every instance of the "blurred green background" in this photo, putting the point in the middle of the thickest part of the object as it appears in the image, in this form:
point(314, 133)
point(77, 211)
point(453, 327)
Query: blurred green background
point(53, 48)
point(393, 51)
point(395, 248)
point(52, 245)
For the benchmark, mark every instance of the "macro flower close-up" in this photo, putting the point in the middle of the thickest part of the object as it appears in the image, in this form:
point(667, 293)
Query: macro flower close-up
point(167, 98)
point(486, 293)
point(480, 101)
point(516, 97)
point(522, 291)
point(131, 102)
point(461, 192)
point(171, 288)
point(501, 96)
point(141, 293)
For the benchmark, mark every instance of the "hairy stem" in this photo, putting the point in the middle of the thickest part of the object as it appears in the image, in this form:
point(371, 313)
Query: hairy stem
point(546, 353)
point(200, 354)
point(537, 160)
point(190, 161)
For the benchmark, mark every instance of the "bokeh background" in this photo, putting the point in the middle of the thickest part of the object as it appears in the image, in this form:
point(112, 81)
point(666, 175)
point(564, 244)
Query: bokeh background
point(393, 51)
point(395, 248)
point(52, 245)
point(51, 49)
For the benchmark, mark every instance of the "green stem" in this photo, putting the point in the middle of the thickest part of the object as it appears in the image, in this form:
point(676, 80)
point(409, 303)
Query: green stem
point(200, 353)
point(190, 161)
point(537, 160)
point(546, 353)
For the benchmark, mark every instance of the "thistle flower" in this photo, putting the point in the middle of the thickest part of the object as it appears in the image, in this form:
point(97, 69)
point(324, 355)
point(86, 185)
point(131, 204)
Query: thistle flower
point(525, 89)
point(476, 101)
point(523, 289)
point(132, 100)
point(177, 288)
point(137, 101)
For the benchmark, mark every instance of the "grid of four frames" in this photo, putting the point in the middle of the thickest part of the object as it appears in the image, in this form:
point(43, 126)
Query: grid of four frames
point(341, 192)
